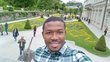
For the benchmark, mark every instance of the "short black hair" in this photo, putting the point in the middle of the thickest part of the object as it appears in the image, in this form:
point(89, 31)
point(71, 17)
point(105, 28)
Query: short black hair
point(53, 19)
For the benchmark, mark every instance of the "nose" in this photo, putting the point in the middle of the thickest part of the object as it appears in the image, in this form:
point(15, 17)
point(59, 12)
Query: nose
point(54, 36)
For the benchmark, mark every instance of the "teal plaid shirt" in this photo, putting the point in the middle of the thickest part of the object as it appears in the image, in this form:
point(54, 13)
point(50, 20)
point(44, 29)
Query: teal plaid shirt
point(65, 54)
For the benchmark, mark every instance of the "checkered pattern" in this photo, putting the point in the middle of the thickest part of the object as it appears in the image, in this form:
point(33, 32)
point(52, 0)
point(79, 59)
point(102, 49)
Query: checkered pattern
point(65, 54)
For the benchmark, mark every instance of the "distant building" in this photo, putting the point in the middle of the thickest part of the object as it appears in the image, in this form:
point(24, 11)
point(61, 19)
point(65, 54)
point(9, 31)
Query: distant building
point(94, 10)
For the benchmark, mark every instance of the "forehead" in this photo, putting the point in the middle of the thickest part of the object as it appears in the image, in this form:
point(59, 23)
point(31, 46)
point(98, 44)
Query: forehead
point(54, 25)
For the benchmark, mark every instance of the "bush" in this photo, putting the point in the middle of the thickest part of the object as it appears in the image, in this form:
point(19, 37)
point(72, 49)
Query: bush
point(79, 19)
point(101, 44)
point(27, 25)
point(42, 16)
point(10, 9)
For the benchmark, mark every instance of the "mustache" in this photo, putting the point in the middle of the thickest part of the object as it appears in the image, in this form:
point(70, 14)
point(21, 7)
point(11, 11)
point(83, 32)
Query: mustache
point(54, 41)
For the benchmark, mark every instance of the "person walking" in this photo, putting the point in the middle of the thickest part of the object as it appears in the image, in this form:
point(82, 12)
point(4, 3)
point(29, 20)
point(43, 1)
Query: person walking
point(89, 21)
point(6, 28)
point(22, 43)
point(1, 29)
point(105, 31)
point(34, 30)
point(15, 33)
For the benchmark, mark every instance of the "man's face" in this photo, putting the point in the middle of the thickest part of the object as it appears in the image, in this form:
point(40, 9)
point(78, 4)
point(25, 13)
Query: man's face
point(54, 35)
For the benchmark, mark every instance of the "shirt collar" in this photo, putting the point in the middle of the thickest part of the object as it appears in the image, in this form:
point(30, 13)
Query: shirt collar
point(62, 50)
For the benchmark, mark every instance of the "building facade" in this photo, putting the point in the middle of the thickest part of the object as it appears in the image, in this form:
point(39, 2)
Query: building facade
point(94, 10)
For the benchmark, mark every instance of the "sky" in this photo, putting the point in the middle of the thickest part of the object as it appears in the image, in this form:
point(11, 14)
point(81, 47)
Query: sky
point(65, 1)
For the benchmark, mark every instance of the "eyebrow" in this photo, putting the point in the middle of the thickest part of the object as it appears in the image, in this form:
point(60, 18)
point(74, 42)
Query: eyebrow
point(56, 30)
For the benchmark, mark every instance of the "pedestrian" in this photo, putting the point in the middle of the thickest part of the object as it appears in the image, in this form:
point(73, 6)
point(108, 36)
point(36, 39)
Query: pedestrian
point(105, 31)
point(6, 28)
point(27, 54)
point(56, 48)
point(89, 21)
point(15, 33)
point(64, 17)
point(34, 30)
point(1, 29)
point(22, 43)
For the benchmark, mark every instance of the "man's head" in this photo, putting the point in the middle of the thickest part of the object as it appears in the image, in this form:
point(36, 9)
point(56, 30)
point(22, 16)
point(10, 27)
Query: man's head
point(54, 33)
point(22, 37)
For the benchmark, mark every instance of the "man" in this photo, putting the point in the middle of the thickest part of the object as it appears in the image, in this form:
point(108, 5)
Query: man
point(15, 33)
point(105, 31)
point(21, 43)
point(56, 49)
point(1, 29)
point(34, 30)
point(6, 28)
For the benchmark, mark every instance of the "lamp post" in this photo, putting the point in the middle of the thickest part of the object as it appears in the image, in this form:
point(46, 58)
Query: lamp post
point(104, 14)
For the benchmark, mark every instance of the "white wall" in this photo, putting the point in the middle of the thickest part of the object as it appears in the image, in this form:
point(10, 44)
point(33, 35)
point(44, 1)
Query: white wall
point(97, 12)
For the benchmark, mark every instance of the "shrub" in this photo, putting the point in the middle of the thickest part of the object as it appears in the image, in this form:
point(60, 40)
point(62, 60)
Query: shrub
point(10, 9)
point(27, 25)
point(79, 19)
point(101, 44)
point(42, 16)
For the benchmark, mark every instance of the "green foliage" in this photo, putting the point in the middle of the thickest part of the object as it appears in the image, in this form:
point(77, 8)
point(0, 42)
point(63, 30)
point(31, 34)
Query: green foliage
point(27, 25)
point(10, 9)
point(42, 16)
point(101, 44)
point(44, 4)
point(79, 19)
point(75, 11)
point(50, 5)
point(21, 3)
point(2, 2)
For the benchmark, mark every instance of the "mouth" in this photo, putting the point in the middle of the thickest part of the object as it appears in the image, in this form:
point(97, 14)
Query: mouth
point(54, 44)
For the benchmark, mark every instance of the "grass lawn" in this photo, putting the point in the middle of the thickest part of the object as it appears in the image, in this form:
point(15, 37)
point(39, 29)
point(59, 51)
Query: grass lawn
point(20, 25)
point(83, 37)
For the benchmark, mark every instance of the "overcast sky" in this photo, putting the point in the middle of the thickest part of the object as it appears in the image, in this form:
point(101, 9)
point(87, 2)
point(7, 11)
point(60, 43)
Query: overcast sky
point(65, 1)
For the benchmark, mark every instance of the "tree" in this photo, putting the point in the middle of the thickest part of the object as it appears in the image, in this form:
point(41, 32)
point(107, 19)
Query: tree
point(101, 44)
point(3, 4)
point(63, 6)
point(22, 3)
point(48, 4)
point(80, 8)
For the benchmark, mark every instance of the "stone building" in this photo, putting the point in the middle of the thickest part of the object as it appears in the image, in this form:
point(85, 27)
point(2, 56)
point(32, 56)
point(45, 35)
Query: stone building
point(94, 10)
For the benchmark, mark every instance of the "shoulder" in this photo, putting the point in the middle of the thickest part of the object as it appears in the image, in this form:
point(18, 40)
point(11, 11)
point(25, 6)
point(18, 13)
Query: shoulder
point(78, 55)
point(73, 51)
point(81, 56)
point(39, 50)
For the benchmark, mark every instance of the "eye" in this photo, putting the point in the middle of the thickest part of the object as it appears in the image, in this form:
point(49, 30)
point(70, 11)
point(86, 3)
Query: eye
point(60, 32)
point(48, 33)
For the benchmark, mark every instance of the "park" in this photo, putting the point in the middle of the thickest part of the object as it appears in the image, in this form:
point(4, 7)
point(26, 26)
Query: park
point(79, 34)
